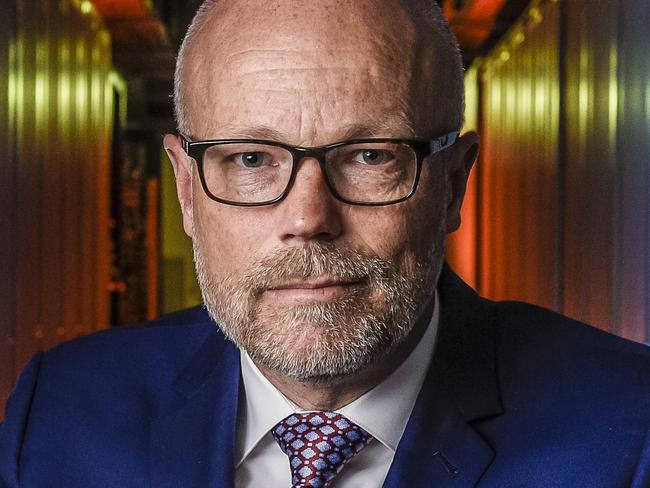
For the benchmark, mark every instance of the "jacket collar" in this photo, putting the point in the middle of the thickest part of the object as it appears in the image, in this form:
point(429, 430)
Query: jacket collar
point(440, 446)
point(466, 352)
point(193, 443)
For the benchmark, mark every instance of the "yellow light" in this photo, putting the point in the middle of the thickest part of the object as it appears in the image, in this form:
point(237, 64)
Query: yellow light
point(96, 91)
point(64, 83)
point(536, 16)
point(471, 98)
point(613, 96)
point(505, 56)
point(518, 38)
point(495, 102)
point(540, 99)
point(86, 7)
point(12, 83)
point(584, 92)
point(81, 90)
point(41, 85)
point(526, 92)
point(19, 83)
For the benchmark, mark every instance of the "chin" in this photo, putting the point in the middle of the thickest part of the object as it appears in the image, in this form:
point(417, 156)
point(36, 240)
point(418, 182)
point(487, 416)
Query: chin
point(321, 349)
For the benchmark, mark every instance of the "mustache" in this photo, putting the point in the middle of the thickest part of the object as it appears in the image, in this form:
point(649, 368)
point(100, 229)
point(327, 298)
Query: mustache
point(316, 259)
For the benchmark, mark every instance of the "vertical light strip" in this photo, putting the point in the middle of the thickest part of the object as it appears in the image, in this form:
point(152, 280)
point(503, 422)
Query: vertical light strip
point(81, 91)
point(12, 84)
point(96, 88)
point(41, 85)
point(618, 174)
point(647, 97)
point(19, 84)
point(64, 90)
point(583, 93)
point(613, 98)
point(471, 99)
point(646, 73)
point(540, 100)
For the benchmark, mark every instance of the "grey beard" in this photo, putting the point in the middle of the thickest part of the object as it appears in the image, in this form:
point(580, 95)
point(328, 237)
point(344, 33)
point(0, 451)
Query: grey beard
point(319, 343)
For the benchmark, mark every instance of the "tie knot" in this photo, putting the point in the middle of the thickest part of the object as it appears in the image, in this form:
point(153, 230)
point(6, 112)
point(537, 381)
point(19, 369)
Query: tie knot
point(318, 444)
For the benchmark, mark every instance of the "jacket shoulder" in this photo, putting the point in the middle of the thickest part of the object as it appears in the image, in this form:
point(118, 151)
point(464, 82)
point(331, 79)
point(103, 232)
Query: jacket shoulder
point(166, 340)
point(138, 358)
point(545, 355)
point(521, 323)
point(98, 392)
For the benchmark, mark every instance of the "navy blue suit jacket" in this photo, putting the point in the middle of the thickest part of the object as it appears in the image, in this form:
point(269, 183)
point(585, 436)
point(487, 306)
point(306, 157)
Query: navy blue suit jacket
point(516, 396)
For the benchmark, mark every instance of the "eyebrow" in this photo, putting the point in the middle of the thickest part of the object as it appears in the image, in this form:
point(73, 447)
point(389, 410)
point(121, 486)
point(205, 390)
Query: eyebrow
point(393, 127)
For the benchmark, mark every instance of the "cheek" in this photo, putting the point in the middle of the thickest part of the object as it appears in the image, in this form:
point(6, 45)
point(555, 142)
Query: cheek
point(430, 222)
point(407, 230)
point(229, 237)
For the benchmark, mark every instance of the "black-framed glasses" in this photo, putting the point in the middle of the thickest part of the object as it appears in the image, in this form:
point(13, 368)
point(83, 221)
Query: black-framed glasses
point(252, 172)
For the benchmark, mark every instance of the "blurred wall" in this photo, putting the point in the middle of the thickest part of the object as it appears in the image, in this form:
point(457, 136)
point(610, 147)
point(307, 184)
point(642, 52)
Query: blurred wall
point(179, 288)
point(55, 68)
point(462, 249)
point(561, 193)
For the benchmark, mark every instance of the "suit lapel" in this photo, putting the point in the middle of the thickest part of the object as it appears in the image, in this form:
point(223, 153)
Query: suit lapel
point(193, 444)
point(440, 446)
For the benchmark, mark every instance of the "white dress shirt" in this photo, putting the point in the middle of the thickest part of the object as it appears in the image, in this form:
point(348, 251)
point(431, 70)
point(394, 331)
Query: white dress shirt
point(383, 412)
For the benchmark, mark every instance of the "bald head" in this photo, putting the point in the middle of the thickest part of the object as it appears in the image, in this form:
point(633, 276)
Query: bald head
point(399, 53)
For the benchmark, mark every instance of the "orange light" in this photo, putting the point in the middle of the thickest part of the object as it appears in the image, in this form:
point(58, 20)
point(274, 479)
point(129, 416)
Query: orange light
point(121, 9)
point(473, 23)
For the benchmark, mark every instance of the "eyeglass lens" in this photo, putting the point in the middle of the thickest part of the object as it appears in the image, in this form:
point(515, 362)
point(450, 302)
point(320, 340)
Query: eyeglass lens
point(365, 173)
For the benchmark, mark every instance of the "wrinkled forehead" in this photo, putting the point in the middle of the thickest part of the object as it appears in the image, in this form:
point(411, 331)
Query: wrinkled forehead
point(370, 53)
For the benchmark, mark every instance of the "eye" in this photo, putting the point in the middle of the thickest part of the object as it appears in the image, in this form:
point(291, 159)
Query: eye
point(373, 156)
point(253, 159)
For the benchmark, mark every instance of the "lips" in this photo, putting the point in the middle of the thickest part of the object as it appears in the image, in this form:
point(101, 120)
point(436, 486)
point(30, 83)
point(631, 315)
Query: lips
point(316, 283)
point(318, 289)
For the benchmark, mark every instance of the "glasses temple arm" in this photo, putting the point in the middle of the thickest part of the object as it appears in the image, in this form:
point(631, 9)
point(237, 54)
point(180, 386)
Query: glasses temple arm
point(444, 142)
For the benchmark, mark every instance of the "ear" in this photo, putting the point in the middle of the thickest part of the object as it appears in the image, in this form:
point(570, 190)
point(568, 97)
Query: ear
point(183, 170)
point(467, 148)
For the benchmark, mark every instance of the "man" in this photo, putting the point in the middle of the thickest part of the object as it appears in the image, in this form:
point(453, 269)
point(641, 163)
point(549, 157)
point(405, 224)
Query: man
point(319, 168)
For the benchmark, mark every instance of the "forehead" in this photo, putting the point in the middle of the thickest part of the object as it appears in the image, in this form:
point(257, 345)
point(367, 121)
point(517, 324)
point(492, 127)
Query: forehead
point(305, 67)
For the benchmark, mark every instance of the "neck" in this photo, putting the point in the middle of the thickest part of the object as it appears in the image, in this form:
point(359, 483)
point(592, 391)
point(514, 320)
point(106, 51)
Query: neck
point(333, 396)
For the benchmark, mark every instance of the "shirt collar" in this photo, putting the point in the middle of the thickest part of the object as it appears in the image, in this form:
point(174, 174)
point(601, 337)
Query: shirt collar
point(383, 411)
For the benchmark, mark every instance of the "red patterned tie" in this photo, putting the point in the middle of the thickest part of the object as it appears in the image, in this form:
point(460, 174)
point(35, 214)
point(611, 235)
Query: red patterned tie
point(318, 444)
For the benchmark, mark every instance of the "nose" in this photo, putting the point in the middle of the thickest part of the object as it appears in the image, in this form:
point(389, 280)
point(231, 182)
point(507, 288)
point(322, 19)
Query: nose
point(309, 211)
